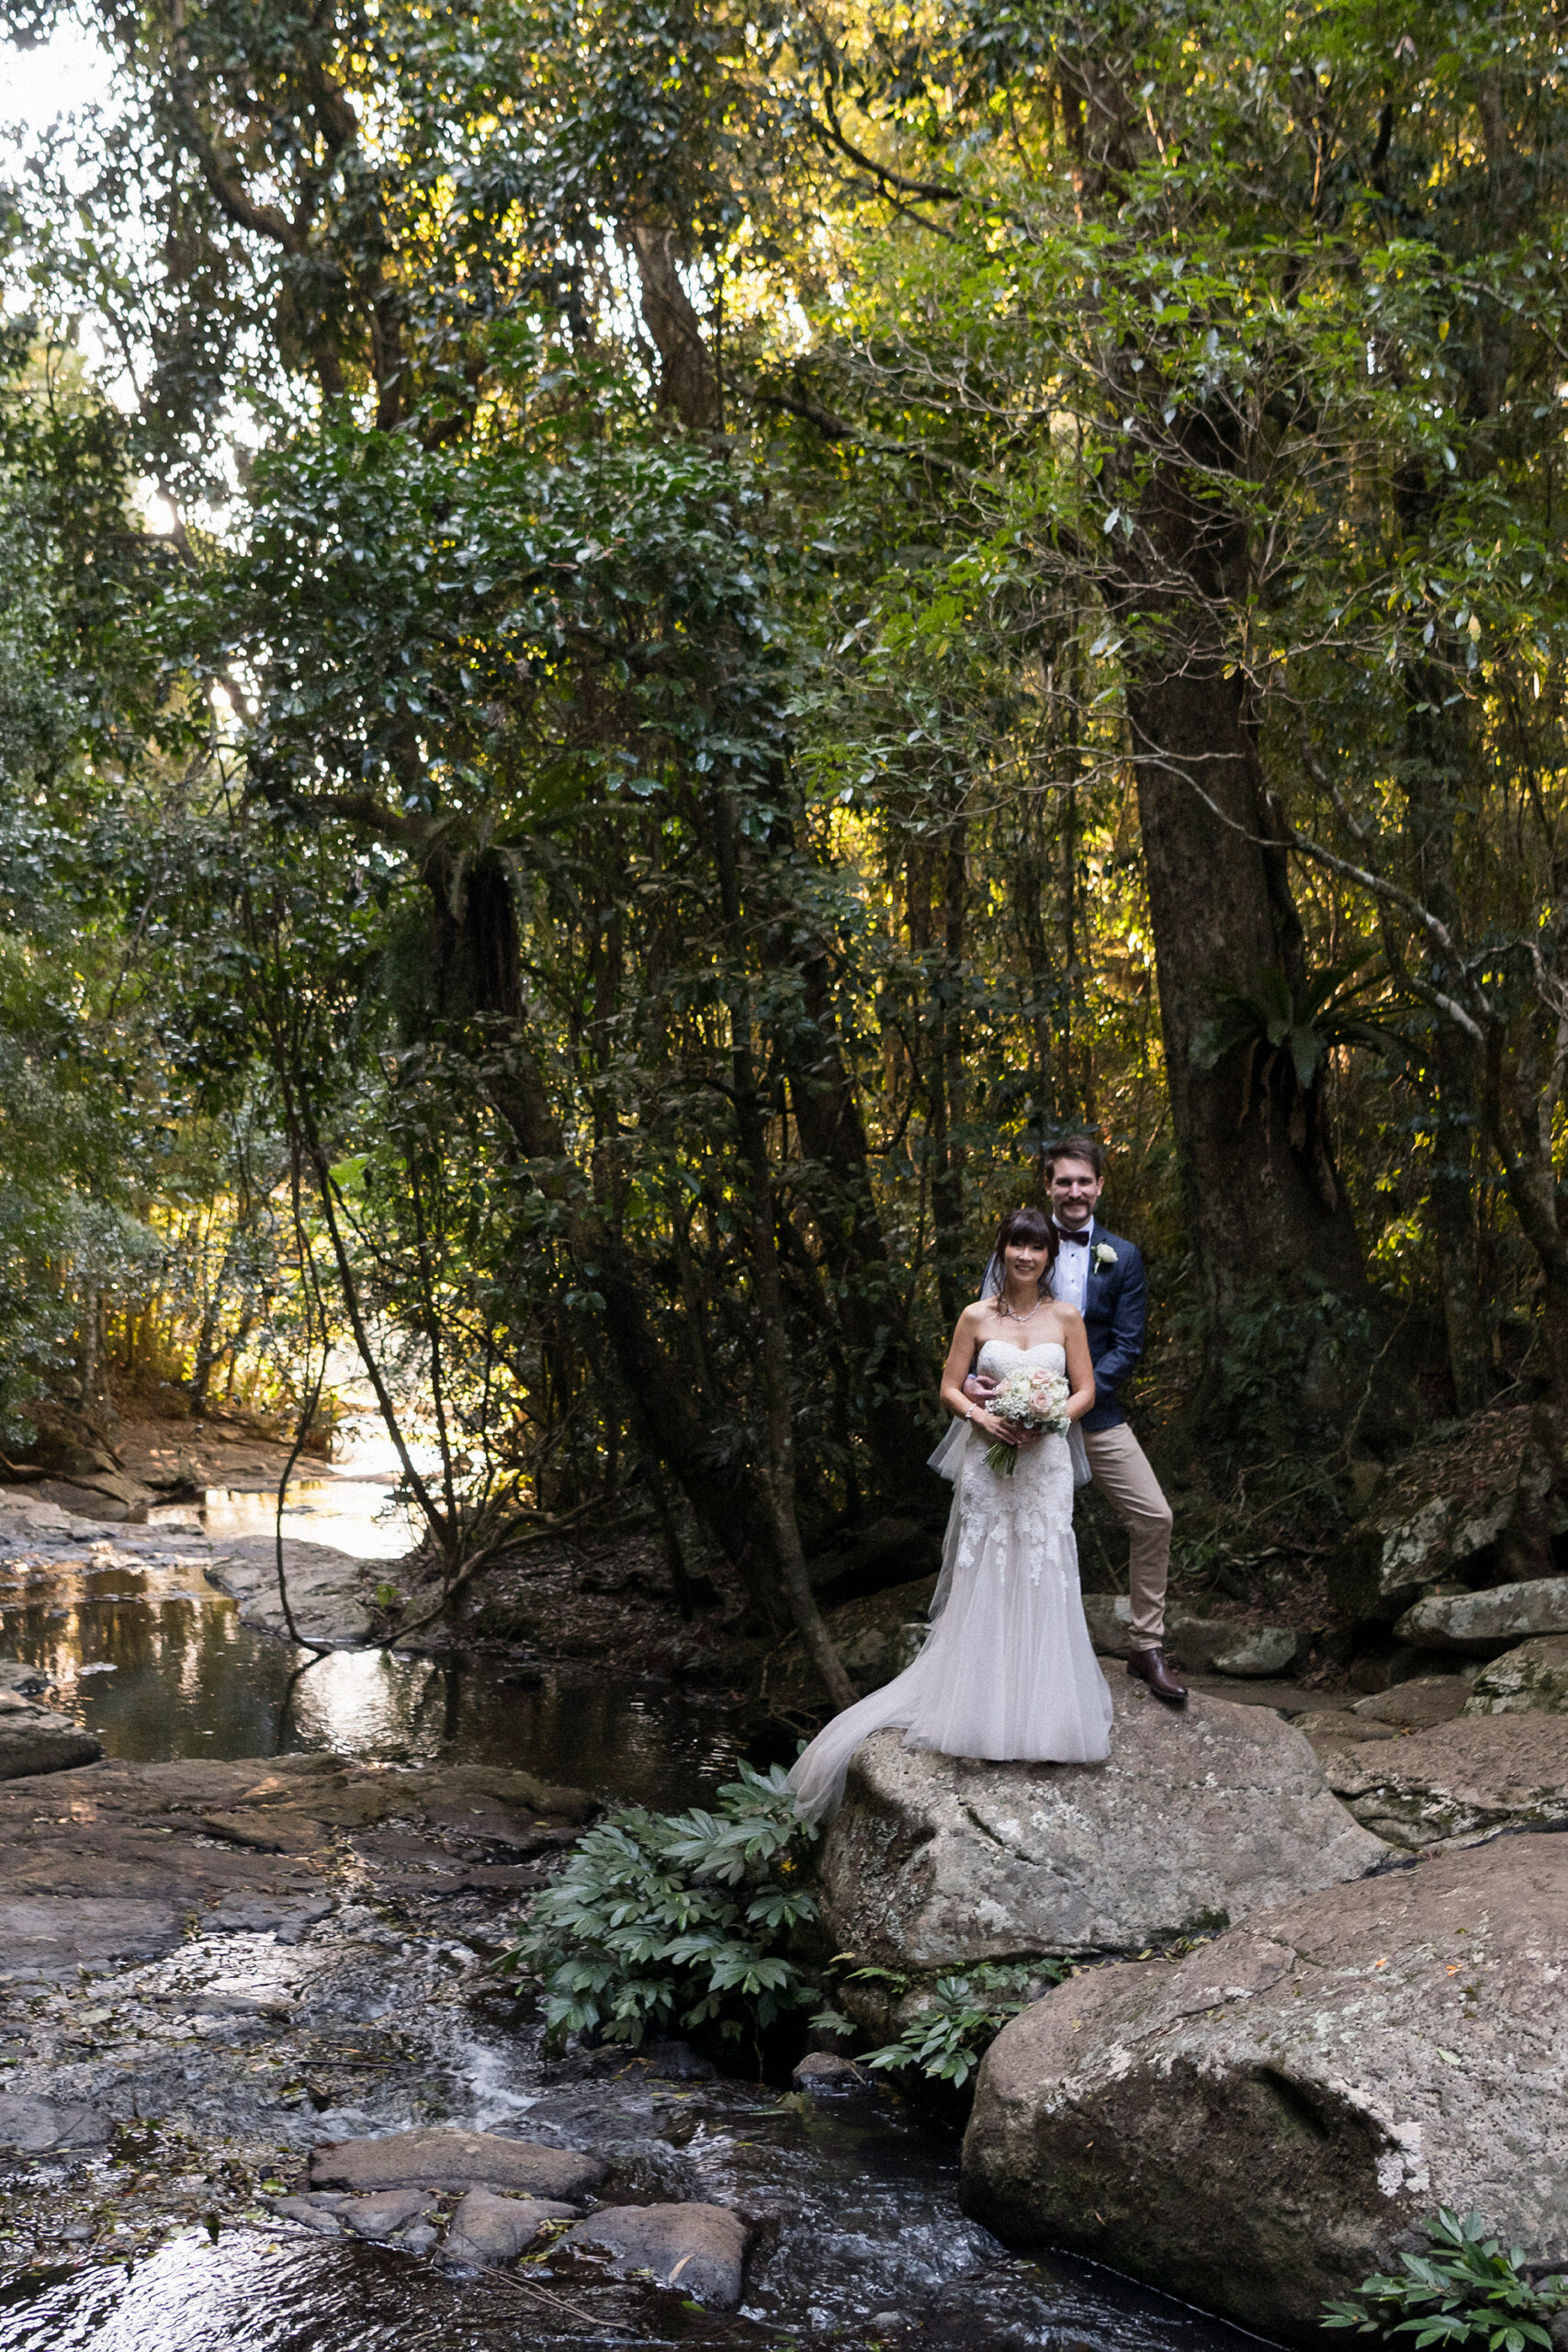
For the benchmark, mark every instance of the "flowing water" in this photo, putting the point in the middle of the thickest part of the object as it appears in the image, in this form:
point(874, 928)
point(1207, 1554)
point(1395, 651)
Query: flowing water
point(864, 2240)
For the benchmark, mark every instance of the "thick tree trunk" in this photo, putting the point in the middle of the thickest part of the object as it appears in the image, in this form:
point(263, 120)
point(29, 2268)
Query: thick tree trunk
point(688, 380)
point(1264, 1204)
point(1436, 756)
point(774, 1370)
point(1451, 1206)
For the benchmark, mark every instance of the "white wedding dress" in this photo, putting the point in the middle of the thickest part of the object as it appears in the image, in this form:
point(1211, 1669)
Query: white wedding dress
point(1008, 1670)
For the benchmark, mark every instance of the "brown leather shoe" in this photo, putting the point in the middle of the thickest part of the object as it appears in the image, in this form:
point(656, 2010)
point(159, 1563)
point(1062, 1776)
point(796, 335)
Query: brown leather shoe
point(1149, 1666)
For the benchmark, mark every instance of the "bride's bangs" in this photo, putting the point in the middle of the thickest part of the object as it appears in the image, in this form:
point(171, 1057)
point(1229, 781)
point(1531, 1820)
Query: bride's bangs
point(1031, 1226)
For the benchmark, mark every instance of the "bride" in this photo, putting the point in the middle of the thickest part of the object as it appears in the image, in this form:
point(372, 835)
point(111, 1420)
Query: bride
point(1008, 1670)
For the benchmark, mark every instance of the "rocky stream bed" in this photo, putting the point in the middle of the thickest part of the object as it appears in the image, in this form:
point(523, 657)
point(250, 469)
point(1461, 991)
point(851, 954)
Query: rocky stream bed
point(262, 2083)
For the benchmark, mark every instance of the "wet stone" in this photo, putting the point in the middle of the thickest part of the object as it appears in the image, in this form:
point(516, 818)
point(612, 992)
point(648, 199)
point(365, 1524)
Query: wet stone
point(385, 2213)
point(820, 2071)
point(701, 2249)
point(487, 2228)
point(454, 2160)
point(36, 2126)
point(311, 2212)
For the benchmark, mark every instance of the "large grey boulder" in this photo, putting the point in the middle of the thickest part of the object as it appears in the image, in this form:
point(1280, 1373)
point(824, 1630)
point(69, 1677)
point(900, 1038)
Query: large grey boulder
point(1460, 1778)
point(1259, 2125)
point(1485, 1622)
point(701, 2249)
point(34, 1740)
point(1532, 1679)
point(1198, 1818)
point(454, 2160)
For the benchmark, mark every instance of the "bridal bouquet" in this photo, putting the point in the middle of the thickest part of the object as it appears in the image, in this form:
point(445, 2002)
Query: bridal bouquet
point(1035, 1399)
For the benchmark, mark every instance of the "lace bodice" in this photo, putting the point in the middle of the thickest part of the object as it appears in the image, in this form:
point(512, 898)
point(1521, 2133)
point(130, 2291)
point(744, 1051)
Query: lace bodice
point(1009, 1349)
point(1036, 1502)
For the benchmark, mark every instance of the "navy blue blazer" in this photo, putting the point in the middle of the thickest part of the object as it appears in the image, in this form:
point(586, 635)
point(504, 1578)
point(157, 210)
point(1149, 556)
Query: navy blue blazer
point(1115, 1312)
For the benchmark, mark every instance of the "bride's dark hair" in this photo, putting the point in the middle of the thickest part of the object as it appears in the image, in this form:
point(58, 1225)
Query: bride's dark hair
point(1031, 1226)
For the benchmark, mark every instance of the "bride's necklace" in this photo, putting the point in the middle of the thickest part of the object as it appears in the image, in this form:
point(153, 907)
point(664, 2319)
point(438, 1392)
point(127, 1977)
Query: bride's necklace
point(1012, 1312)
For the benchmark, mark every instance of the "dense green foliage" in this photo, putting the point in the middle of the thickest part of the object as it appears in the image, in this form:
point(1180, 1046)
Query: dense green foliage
point(690, 630)
point(675, 1921)
point(958, 2021)
point(1469, 2290)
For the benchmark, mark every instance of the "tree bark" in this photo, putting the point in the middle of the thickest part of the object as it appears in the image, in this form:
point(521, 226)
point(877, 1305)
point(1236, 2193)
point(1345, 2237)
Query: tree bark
point(476, 953)
point(1264, 1204)
point(870, 1309)
point(688, 381)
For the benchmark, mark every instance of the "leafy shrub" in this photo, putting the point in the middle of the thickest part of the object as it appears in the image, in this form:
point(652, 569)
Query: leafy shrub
point(663, 1919)
point(1467, 2292)
point(947, 2040)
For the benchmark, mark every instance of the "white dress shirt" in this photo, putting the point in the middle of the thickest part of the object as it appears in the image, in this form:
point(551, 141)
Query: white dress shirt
point(1069, 1275)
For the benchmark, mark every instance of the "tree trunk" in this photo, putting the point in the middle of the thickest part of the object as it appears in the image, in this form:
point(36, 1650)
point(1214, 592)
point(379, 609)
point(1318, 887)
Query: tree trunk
point(478, 971)
point(1263, 1202)
point(870, 1306)
point(773, 1363)
point(1436, 756)
point(688, 382)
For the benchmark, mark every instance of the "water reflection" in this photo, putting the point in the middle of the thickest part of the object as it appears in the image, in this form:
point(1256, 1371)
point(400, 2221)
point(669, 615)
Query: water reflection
point(189, 1678)
point(351, 1514)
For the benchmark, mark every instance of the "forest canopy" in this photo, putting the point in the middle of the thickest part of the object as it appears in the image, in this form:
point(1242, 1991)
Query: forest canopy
point(643, 646)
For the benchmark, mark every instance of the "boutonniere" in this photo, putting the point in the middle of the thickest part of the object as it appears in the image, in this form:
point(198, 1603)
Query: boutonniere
point(1104, 1255)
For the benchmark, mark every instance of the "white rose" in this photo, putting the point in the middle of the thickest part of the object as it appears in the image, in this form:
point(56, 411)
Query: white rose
point(1103, 1254)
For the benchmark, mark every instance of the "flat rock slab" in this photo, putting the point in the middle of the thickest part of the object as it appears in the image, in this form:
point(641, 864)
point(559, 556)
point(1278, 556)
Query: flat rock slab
point(34, 1740)
point(1256, 2127)
point(1416, 1706)
point(37, 2126)
point(50, 1936)
point(455, 2160)
point(326, 1589)
point(113, 1861)
point(487, 2228)
point(1530, 1680)
point(1487, 1621)
point(701, 2249)
point(1481, 1773)
point(1198, 1820)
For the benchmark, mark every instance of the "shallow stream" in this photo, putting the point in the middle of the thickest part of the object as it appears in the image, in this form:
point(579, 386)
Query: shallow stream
point(864, 2239)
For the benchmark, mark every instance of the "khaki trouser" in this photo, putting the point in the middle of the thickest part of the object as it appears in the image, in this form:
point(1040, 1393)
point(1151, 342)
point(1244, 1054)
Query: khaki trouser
point(1122, 1474)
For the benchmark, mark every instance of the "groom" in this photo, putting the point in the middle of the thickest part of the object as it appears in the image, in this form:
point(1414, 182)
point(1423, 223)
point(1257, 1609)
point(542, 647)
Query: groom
point(1103, 1276)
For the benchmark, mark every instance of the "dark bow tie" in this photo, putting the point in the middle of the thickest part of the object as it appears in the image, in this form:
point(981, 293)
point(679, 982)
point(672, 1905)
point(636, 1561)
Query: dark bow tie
point(1079, 1241)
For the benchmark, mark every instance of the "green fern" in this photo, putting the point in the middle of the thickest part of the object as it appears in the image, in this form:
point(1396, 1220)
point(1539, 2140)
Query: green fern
point(947, 2040)
point(1469, 2291)
point(1334, 1010)
point(662, 1920)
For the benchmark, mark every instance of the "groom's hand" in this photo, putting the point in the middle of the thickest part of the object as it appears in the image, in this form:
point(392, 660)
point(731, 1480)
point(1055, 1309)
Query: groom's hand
point(978, 1388)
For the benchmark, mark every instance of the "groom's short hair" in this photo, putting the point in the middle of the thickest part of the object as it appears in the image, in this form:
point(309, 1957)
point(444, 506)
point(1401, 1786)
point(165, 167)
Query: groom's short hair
point(1073, 1148)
